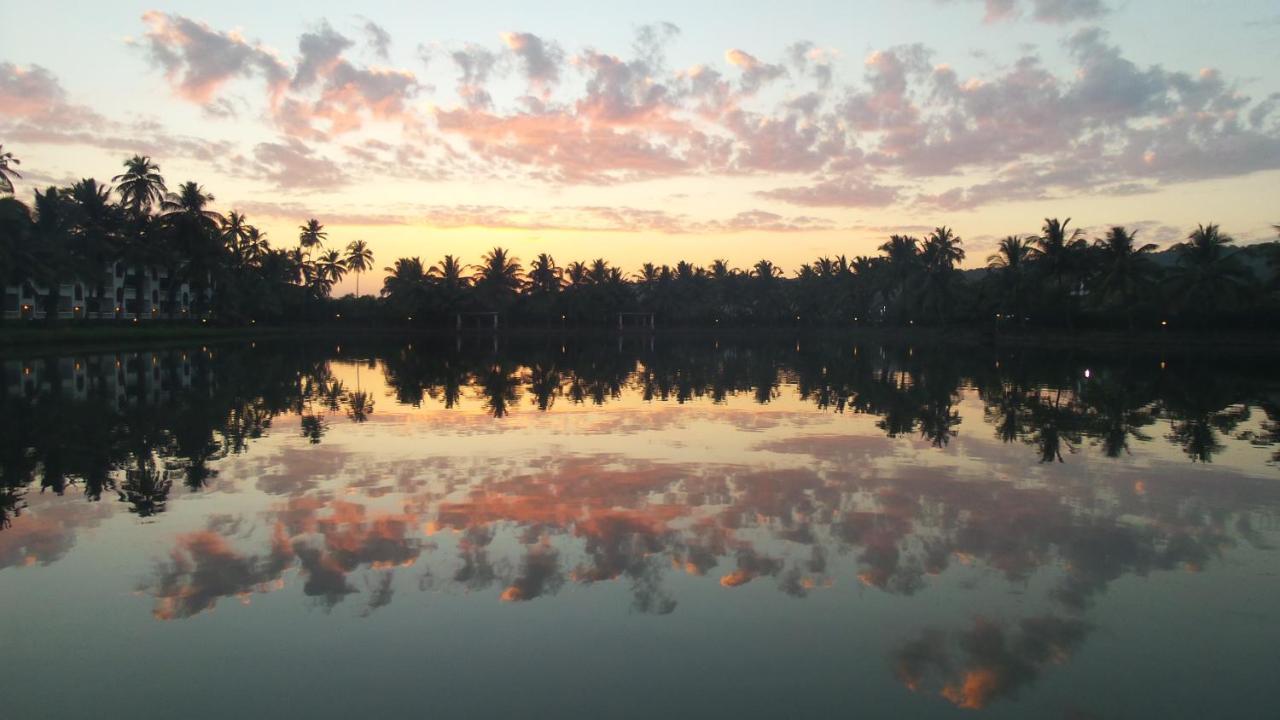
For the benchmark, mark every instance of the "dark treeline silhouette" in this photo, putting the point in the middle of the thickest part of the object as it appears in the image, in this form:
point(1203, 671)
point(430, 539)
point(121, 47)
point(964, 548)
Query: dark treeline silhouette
point(134, 424)
point(1055, 277)
point(77, 233)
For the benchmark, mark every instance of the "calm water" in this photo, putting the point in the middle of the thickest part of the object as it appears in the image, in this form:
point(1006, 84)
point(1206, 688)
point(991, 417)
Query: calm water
point(638, 528)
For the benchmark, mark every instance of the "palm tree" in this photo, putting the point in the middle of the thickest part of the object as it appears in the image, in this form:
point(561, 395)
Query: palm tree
point(359, 260)
point(448, 272)
point(194, 233)
point(53, 254)
point(1124, 268)
point(7, 173)
point(1058, 254)
point(545, 282)
point(1208, 272)
point(140, 186)
point(16, 259)
point(235, 233)
point(902, 253)
point(576, 273)
point(405, 286)
point(497, 277)
point(312, 236)
point(941, 251)
point(256, 245)
point(766, 291)
point(544, 276)
point(766, 270)
point(1009, 262)
point(193, 202)
point(330, 268)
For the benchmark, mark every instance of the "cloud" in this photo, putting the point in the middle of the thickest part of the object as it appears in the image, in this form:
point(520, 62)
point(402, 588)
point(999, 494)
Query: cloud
point(539, 574)
point(291, 164)
point(319, 53)
point(910, 131)
point(323, 94)
point(34, 94)
point(651, 42)
point(475, 64)
point(540, 60)
point(35, 109)
point(575, 218)
point(1047, 11)
point(199, 60)
point(378, 39)
point(755, 74)
point(992, 662)
point(846, 191)
point(203, 568)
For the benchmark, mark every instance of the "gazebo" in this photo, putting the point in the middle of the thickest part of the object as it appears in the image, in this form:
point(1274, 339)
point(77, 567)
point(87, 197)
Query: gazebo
point(643, 320)
point(481, 319)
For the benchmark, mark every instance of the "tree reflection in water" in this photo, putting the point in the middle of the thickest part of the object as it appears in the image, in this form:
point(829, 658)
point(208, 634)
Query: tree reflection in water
point(132, 425)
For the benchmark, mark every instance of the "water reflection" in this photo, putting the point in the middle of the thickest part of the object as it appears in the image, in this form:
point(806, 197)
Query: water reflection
point(372, 470)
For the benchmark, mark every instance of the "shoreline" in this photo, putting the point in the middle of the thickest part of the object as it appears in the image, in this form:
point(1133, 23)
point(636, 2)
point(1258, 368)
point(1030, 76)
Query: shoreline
point(106, 338)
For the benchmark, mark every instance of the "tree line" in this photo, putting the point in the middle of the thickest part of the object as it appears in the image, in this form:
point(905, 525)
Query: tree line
point(1056, 277)
point(77, 233)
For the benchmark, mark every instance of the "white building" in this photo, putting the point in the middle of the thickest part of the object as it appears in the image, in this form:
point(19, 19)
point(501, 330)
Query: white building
point(124, 379)
point(121, 293)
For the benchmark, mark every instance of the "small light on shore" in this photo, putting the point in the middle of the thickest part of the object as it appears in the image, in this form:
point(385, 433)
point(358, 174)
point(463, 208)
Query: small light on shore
point(1087, 373)
point(1164, 323)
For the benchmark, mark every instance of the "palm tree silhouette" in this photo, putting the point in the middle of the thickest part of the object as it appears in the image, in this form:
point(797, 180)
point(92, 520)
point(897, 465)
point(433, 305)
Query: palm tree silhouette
point(359, 260)
point(544, 276)
point(1124, 268)
point(140, 185)
point(235, 234)
point(193, 228)
point(330, 268)
point(1058, 255)
point(1009, 262)
point(7, 173)
point(1207, 271)
point(311, 236)
point(497, 278)
point(903, 258)
point(941, 252)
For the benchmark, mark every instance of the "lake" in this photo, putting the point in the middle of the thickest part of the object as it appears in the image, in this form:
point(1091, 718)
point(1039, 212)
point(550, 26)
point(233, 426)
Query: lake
point(638, 527)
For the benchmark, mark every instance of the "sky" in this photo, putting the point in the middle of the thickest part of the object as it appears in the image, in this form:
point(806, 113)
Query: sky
point(660, 131)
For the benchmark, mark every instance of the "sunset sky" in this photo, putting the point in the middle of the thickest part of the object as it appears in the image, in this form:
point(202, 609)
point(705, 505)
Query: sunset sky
point(663, 130)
